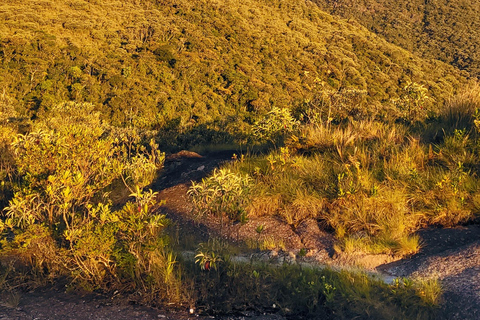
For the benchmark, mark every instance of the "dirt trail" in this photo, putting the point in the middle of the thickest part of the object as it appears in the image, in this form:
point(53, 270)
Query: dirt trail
point(452, 255)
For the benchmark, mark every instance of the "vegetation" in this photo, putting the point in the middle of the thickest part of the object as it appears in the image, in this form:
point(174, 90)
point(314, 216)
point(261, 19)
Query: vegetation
point(362, 136)
point(305, 292)
point(60, 221)
point(181, 65)
point(443, 30)
point(222, 193)
point(374, 183)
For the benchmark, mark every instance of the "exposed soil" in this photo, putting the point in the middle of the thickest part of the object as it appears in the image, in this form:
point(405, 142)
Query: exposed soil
point(451, 255)
point(56, 304)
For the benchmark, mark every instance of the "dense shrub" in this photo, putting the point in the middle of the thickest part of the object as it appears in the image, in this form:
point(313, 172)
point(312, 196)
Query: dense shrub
point(61, 212)
point(223, 193)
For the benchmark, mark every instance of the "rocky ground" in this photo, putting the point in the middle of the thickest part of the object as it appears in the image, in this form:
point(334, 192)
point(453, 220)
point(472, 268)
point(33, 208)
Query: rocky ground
point(451, 255)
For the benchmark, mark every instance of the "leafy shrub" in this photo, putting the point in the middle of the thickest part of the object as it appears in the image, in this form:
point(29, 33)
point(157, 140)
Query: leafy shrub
point(336, 106)
point(275, 126)
point(7, 165)
point(413, 103)
point(67, 166)
point(223, 193)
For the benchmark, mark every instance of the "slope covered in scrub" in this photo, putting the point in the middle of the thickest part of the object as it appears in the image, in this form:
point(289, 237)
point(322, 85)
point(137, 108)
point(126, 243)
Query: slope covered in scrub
point(445, 30)
point(177, 63)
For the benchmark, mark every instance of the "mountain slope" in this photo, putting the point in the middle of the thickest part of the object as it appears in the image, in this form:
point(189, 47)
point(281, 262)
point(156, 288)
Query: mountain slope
point(177, 62)
point(443, 29)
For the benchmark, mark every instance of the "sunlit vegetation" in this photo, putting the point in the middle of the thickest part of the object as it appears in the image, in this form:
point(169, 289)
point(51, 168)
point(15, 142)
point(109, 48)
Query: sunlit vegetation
point(444, 30)
point(176, 65)
point(374, 183)
point(70, 170)
point(333, 123)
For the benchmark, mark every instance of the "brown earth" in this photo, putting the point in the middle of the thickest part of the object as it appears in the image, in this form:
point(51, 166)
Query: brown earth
point(451, 255)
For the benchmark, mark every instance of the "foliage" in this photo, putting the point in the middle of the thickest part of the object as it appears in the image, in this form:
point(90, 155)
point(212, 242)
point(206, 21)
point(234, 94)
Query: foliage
point(211, 254)
point(182, 73)
point(68, 163)
point(179, 65)
point(61, 215)
point(372, 182)
point(223, 193)
point(310, 293)
point(275, 126)
point(7, 164)
point(443, 30)
point(413, 102)
point(327, 106)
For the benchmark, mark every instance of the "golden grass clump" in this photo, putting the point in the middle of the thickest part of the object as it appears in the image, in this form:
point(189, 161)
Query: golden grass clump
point(381, 224)
point(304, 206)
point(264, 205)
point(459, 112)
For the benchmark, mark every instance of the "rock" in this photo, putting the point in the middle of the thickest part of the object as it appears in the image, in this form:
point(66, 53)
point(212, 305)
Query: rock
point(183, 154)
point(318, 243)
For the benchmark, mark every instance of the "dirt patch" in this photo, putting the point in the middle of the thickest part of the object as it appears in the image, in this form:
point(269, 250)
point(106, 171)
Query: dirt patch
point(453, 257)
point(317, 243)
point(275, 232)
point(55, 304)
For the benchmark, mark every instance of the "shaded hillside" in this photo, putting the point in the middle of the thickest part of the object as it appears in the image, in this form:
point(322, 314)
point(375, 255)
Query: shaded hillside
point(443, 29)
point(177, 63)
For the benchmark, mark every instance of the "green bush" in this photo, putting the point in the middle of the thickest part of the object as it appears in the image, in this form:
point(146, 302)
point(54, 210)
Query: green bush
point(275, 126)
point(223, 193)
point(61, 212)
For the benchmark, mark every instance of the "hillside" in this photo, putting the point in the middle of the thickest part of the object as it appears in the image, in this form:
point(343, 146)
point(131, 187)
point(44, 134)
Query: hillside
point(444, 30)
point(346, 147)
point(177, 63)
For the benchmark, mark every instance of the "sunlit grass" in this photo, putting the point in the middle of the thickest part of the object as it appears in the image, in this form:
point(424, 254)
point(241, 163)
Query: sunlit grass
point(373, 183)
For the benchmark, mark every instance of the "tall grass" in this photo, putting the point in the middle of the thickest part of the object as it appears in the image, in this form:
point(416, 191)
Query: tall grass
point(372, 182)
point(459, 111)
point(308, 293)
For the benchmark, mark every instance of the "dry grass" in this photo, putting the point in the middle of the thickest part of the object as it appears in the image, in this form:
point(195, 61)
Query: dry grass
point(374, 183)
point(264, 205)
point(459, 111)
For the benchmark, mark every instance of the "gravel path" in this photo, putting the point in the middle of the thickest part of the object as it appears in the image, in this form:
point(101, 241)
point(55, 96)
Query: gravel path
point(453, 257)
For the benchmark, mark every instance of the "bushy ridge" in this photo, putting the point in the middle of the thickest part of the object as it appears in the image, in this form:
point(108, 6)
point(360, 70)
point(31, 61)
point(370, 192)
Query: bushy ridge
point(443, 30)
point(354, 132)
point(176, 64)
